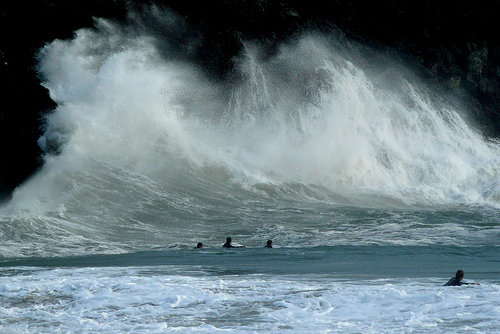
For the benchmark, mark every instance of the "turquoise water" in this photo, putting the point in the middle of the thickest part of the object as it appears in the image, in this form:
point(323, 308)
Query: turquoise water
point(346, 289)
point(346, 262)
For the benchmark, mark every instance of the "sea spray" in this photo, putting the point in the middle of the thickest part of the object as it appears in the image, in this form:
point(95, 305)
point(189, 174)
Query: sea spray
point(143, 146)
point(307, 115)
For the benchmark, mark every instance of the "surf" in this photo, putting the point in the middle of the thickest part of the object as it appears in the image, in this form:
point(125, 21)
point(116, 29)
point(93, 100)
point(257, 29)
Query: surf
point(142, 142)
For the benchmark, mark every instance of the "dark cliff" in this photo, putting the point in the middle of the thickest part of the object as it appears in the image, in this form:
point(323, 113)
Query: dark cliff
point(452, 42)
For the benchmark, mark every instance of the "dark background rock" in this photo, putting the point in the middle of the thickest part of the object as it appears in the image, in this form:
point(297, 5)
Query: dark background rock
point(453, 42)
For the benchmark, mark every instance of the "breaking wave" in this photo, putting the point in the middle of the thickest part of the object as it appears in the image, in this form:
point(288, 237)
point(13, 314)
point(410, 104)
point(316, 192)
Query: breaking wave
point(139, 138)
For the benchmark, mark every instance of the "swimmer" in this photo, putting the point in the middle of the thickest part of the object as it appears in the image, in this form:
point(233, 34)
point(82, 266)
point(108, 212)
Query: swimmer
point(269, 244)
point(457, 280)
point(199, 245)
point(229, 244)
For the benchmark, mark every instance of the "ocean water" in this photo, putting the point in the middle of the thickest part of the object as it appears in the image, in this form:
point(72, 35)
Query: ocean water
point(388, 289)
point(374, 187)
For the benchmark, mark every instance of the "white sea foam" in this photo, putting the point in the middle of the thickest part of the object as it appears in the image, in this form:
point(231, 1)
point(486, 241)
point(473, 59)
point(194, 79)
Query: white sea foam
point(108, 300)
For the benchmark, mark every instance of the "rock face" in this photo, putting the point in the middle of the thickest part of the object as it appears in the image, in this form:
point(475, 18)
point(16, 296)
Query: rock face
point(453, 42)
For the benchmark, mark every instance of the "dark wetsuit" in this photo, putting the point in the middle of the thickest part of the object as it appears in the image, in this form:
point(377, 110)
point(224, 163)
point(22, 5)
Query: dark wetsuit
point(454, 282)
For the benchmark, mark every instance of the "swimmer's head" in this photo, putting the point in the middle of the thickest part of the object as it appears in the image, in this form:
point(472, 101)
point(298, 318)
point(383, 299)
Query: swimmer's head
point(199, 245)
point(229, 240)
point(460, 275)
point(269, 243)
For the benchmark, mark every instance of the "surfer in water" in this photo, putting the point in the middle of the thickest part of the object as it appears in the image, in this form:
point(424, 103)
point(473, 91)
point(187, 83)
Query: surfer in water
point(229, 244)
point(199, 245)
point(269, 244)
point(457, 280)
